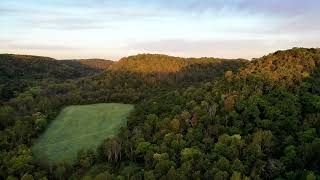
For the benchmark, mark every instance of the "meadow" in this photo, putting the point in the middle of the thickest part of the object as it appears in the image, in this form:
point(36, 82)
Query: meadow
point(80, 127)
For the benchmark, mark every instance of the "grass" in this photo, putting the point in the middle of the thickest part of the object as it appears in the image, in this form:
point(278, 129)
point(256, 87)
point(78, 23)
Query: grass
point(80, 127)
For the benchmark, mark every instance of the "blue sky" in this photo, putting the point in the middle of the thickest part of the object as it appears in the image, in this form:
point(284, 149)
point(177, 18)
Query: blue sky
point(115, 28)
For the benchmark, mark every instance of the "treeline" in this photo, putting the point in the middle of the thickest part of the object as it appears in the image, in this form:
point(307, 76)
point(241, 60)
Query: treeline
point(210, 119)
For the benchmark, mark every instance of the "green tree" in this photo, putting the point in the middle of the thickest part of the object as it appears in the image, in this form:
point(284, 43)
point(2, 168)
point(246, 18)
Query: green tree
point(27, 177)
point(236, 176)
point(40, 121)
point(19, 161)
point(221, 175)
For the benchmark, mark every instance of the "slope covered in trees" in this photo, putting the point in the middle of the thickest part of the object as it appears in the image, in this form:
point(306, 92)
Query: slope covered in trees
point(96, 63)
point(163, 65)
point(238, 127)
point(257, 120)
point(37, 67)
point(284, 67)
point(17, 72)
point(153, 63)
point(175, 70)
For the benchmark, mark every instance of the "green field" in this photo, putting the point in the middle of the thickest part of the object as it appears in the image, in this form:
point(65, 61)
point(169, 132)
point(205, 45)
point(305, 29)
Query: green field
point(80, 127)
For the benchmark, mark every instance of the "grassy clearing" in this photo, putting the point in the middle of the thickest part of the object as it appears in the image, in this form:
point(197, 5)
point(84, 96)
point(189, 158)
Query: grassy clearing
point(80, 127)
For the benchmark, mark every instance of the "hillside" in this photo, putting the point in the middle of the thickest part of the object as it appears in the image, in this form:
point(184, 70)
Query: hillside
point(284, 67)
point(157, 63)
point(150, 63)
point(121, 83)
point(96, 63)
point(37, 67)
point(244, 126)
point(17, 72)
point(193, 118)
point(175, 70)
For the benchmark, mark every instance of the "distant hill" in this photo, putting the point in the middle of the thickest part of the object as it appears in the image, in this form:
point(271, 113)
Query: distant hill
point(96, 63)
point(37, 67)
point(176, 70)
point(20, 71)
point(157, 63)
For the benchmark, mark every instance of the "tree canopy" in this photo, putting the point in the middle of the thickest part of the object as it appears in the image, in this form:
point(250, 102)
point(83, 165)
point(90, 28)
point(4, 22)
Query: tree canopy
point(194, 118)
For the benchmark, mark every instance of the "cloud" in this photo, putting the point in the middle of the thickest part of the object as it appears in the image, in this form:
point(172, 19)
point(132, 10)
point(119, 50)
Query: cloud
point(271, 7)
point(39, 19)
point(11, 44)
point(75, 18)
point(4, 41)
point(283, 7)
point(41, 47)
point(102, 14)
point(67, 23)
point(25, 11)
point(147, 8)
point(6, 10)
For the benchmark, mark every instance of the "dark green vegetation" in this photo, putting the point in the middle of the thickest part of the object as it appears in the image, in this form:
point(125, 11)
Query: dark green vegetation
point(193, 119)
point(80, 127)
point(18, 72)
point(95, 63)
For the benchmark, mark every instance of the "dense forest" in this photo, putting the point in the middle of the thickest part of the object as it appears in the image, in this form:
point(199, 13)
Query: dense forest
point(203, 118)
point(19, 72)
point(95, 63)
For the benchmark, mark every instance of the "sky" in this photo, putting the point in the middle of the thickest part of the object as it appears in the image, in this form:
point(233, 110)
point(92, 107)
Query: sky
point(111, 29)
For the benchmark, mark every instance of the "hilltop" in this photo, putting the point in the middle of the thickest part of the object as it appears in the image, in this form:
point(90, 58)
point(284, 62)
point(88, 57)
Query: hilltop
point(158, 63)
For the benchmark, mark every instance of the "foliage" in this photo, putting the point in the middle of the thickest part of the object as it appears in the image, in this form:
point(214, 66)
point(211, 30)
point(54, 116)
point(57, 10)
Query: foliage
point(193, 119)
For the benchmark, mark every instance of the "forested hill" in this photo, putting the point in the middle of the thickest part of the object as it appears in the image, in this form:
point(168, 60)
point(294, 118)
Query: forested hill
point(157, 63)
point(175, 71)
point(284, 67)
point(20, 71)
point(37, 67)
point(218, 119)
point(246, 126)
point(135, 78)
point(96, 63)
